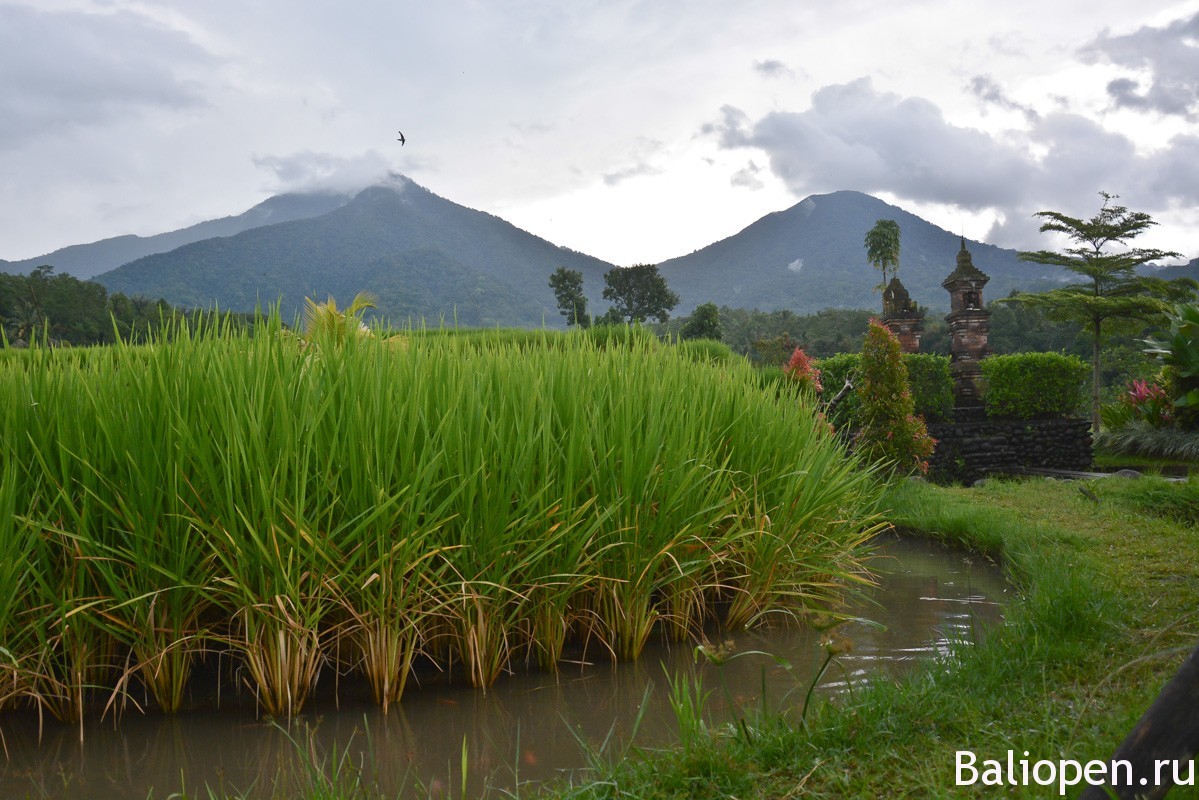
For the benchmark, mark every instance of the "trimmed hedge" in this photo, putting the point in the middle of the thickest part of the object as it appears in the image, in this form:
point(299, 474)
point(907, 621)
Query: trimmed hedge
point(1031, 385)
point(932, 385)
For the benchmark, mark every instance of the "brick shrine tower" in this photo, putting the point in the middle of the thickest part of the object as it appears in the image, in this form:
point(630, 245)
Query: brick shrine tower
point(969, 324)
point(902, 316)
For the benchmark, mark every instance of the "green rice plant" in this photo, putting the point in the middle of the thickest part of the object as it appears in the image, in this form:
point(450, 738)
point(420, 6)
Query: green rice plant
point(804, 510)
point(75, 645)
point(19, 539)
point(472, 500)
point(157, 566)
point(270, 519)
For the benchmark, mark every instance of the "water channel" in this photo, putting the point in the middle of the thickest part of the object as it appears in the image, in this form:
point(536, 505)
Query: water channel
point(531, 726)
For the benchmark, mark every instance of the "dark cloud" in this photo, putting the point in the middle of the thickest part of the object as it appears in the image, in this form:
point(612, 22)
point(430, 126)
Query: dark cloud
point(65, 69)
point(773, 68)
point(1166, 60)
point(985, 88)
point(854, 137)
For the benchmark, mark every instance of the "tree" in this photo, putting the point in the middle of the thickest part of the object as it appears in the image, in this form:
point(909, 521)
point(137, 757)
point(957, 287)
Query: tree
point(891, 431)
point(1110, 293)
point(882, 248)
point(638, 293)
point(704, 323)
point(568, 290)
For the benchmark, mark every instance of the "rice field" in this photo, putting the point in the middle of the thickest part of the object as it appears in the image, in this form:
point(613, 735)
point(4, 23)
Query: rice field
point(350, 506)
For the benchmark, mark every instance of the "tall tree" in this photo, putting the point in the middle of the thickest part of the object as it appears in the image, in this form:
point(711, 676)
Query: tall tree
point(568, 290)
point(882, 248)
point(704, 323)
point(638, 293)
point(1110, 293)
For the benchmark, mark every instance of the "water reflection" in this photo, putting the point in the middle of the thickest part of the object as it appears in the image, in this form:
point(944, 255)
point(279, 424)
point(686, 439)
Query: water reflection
point(528, 727)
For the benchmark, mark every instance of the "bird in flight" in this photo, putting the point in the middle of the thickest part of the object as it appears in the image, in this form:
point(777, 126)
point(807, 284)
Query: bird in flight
point(401, 140)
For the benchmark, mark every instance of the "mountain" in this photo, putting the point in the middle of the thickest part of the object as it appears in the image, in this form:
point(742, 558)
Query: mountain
point(427, 258)
point(421, 255)
point(811, 256)
point(88, 260)
point(1187, 270)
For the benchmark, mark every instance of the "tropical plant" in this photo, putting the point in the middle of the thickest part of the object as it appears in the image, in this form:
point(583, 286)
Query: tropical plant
point(1179, 352)
point(882, 249)
point(890, 431)
point(324, 321)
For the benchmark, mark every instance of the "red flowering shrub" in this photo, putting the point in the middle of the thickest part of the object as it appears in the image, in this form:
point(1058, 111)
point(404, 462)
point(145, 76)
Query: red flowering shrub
point(802, 370)
point(890, 429)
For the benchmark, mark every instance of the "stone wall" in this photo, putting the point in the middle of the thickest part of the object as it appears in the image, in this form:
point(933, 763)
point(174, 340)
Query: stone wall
point(975, 445)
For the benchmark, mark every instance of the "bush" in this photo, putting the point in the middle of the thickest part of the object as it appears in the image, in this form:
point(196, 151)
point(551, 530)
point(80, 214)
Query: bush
point(705, 351)
point(803, 372)
point(1031, 385)
point(931, 384)
point(891, 431)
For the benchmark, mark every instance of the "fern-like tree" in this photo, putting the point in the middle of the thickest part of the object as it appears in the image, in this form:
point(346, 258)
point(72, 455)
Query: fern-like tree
point(882, 248)
point(1109, 296)
point(568, 291)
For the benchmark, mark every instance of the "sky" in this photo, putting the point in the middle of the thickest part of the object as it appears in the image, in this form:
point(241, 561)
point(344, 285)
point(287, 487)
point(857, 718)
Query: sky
point(631, 130)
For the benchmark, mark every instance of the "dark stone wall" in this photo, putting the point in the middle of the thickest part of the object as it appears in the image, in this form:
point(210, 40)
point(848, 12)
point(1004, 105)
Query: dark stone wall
point(974, 445)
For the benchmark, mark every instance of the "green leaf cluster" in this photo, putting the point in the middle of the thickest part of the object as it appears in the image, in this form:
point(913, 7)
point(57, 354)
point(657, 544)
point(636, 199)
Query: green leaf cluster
point(1031, 385)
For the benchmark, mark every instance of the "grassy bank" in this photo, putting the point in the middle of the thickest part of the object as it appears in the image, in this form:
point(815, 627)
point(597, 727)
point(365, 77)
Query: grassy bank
point(1107, 608)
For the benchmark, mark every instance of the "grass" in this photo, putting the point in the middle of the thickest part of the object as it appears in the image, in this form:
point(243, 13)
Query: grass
point(1107, 610)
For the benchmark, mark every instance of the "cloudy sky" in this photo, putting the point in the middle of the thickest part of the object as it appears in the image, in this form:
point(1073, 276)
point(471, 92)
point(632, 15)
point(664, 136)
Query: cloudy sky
point(633, 130)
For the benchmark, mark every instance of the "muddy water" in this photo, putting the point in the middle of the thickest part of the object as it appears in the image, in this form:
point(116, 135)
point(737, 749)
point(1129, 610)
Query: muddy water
point(529, 727)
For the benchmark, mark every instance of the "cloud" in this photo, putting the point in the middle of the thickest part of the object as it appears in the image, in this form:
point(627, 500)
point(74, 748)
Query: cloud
point(985, 88)
point(617, 177)
point(773, 68)
point(324, 172)
point(747, 177)
point(854, 137)
point(70, 69)
point(796, 265)
point(1166, 61)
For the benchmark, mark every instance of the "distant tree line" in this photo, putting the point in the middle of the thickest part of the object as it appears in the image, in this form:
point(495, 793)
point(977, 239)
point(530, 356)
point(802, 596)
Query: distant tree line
point(61, 309)
point(638, 293)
